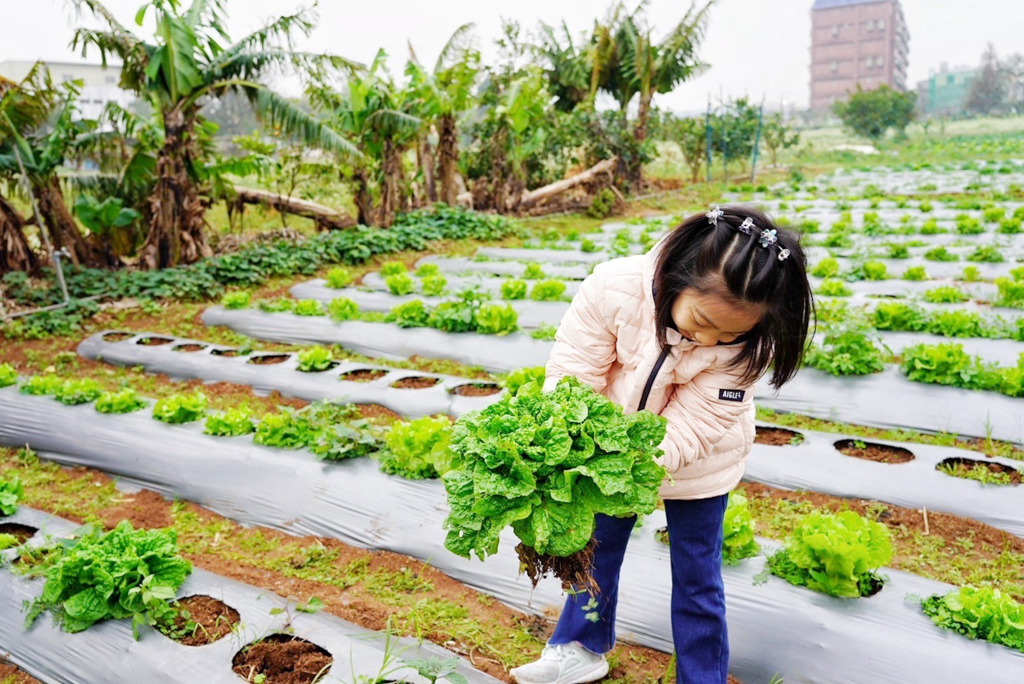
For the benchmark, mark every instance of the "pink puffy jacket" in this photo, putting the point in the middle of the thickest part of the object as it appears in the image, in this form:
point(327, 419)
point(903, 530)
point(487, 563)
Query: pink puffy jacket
point(608, 340)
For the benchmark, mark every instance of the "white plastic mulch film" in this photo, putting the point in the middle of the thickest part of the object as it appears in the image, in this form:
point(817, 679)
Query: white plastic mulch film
point(774, 628)
point(108, 653)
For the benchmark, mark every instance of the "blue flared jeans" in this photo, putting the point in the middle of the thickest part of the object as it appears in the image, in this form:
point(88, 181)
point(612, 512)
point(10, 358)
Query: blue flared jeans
point(698, 596)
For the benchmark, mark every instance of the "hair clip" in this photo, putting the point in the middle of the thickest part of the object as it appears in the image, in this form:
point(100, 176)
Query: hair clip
point(746, 226)
point(713, 215)
point(768, 237)
point(783, 254)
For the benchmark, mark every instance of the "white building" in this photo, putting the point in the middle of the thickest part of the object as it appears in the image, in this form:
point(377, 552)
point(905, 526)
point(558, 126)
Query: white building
point(99, 83)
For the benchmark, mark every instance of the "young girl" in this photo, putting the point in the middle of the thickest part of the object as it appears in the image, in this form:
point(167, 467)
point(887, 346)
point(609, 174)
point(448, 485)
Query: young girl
point(684, 331)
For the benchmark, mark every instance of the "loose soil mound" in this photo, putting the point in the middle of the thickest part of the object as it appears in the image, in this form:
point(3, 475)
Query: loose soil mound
point(870, 451)
point(268, 359)
point(154, 341)
point(363, 375)
point(418, 382)
point(773, 436)
point(189, 347)
point(210, 620)
point(283, 659)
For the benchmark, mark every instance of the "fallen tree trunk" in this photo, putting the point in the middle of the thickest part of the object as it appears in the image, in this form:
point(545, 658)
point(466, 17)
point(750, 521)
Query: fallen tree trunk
point(325, 217)
point(532, 198)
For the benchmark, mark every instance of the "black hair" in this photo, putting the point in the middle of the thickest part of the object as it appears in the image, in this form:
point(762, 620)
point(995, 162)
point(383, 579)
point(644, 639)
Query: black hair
point(719, 258)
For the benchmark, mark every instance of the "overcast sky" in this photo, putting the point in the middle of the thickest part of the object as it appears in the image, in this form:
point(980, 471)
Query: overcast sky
point(755, 47)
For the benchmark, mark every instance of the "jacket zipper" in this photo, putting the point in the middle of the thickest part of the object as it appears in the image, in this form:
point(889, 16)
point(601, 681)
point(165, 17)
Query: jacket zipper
point(650, 378)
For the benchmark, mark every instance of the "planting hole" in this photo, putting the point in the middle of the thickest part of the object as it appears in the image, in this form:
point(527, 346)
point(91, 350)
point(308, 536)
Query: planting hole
point(117, 336)
point(230, 353)
point(269, 359)
point(869, 451)
point(154, 341)
point(773, 436)
point(363, 375)
point(377, 411)
point(331, 366)
point(874, 586)
point(201, 620)
point(20, 532)
point(282, 659)
point(415, 382)
point(661, 534)
point(476, 389)
point(982, 471)
point(190, 347)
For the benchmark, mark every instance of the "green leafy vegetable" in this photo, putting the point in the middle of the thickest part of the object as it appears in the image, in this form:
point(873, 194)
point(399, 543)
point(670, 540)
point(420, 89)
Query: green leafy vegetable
point(236, 300)
point(342, 309)
point(915, 273)
point(513, 289)
point(391, 268)
point(11, 492)
point(339, 277)
point(548, 291)
point(232, 423)
point(945, 294)
point(738, 531)
point(121, 401)
point(289, 429)
point(518, 378)
point(533, 272)
point(418, 449)
point(847, 351)
point(433, 285)
point(979, 613)
point(8, 375)
point(545, 331)
point(309, 307)
point(315, 360)
point(427, 270)
point(496, 319)
point(834, 288)
point(399, 283)
point(80, 391)
point(414, 314)
point(279, 305)
point(42, 385)
point(181, 408)
point(826, 268)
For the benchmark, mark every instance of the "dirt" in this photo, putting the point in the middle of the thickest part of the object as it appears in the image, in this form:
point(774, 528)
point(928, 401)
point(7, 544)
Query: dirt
point(20, 532)
point(144, 509)
point(12, 674)
point(363, 375)
point(572, 570)
point(116, 337)
point(154, 341)
point(477, 389)
point(215, 620)
point(283, 659)
point(269, 359)
point(189, 347)
point(773, 436)
point(880, 453)
point(377, 411)
point(229, 353)
point(963, 466)
point(418, 382)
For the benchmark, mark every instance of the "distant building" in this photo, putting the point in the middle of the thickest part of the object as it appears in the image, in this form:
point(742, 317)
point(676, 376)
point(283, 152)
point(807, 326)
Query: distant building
point(99, 83)
point(854, 42)
point(945, 91)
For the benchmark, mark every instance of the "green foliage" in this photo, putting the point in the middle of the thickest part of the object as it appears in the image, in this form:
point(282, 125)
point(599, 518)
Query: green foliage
point(11, 492)
point(428, 269)
point(870, 113)
point(966, 225)
point(945, 294)
point(342, 309)
point(1011, 292)
point(78, 391)
point(413, 314)
point(42, 385)
point(940, 253)
point(309, 307)
point(925, 206)
point(979, 613)
point(496, 319)
point(279, 305)
point(119, 574)
point(545, 331)
point(8, 375)
point(994, 214)
point(931, 227)
point(545, 464)
point(181, 408)
point(240, 299)
point(390, 268)
point(122, 401)
point(738, 531)
point(603, 204)
point(898, 251)
point(438, 669)
point(989, 254)
point(834, 288)
point(417, 449)
point(899, 316)
point(834, 554)
point(1009, 226)
point(875, 270)
point(400, 283)
point(337, 441)
point(588, 246)
point(915, 273)
point(518, 378)
point(838, 237)
point(339, 277)
point(315, 360)
point(533, 272)
point(457, 315)
point(979, 472)
point(847, 351)
point(433, 285)
point(288, 429)
point(970, 274)
point(548, 291)
point(514, 288)
point(949, 364)
point(957, 323)
point(231, 423)
point(111, 221)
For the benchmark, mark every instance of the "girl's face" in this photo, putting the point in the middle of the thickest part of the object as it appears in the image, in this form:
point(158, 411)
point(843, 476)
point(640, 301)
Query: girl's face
point(709, 318)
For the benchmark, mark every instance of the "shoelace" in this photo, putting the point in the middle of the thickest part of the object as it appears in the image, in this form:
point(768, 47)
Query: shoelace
point(555, 650)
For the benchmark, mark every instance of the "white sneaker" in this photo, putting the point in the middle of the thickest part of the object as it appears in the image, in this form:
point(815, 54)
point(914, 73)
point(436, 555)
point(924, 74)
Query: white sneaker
point(562, 664)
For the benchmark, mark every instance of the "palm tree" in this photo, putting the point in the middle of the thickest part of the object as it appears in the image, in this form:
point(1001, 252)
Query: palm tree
point(184, 68)
point(444, 95)
point(372, 111)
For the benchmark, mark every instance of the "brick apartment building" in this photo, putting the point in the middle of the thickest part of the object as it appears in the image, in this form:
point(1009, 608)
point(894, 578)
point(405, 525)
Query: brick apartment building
point(856, 41)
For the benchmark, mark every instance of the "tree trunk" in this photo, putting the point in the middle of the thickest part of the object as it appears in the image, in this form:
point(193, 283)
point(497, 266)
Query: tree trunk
point(390, 177)
point(64, 233)
point(534, 197)
point(177, 224)
point(363, 199)
point(15, 252)
point(635, 171)
point(448, 152)
point(324, 216)
point(425, 153)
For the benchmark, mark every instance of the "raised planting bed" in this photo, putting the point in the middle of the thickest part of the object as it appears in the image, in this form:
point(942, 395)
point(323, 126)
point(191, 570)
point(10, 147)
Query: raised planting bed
point(888, 400)
point(905, 475)
point(495, 353)
point(505, 268)
point(546, 256)
point(355, 383)
point(107, 651)
point(483, 282)
point(531, 314)
point(882, 639)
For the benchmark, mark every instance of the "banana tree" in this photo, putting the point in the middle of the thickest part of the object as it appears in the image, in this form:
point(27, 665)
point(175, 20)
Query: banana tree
point(184, 67)
point(15, 252)
point(372, 111)
point(444, 95)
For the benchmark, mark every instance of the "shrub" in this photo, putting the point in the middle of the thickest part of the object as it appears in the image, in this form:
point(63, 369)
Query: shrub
point(945, 294)
point(834, 288)
point(533, 272)
point(915, 273)
point(826, 268)
point(548, 291)
point(8, 375)
point(940, 253)
point(979, 613)
point(236, 300)
point(342, 309)
point(875, 270)
point(986, 254)
point(417, 449)
point(78, 391)
point(513, 289)
point(496, 319)
point(181, 408)
point(517, 378)
point(835, 554)
point(391, 268)
point(414, 314)
point(339, 277)
point(232, 423)
point(428, 269)
point(433, 285)
point(399, 283)
point(309, 307)
point(122, 401)
point(315, 360)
